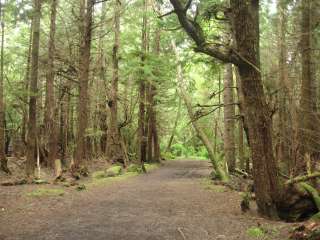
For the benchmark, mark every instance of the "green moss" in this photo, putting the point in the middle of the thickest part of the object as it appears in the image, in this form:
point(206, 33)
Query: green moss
point(256, 232)
point(316, 217)
point(137, 168)
point(99, 174)
point(134, 168)
point(150, 167)
point(108, 180)
point(313, 192)
point(46, 192)
point(208, 184)
point(114, 171)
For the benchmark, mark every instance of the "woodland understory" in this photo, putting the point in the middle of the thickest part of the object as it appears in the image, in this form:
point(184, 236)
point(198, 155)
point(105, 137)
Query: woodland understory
point(132, 82)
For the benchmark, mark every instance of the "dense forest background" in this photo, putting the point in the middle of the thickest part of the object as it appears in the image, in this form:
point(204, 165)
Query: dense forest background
point(143, 81)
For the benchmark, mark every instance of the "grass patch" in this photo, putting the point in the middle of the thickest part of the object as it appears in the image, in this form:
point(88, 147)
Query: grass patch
point(46, 192)
point(99, 174)
point(208, 184)
point(113, 171)
point(256, 232)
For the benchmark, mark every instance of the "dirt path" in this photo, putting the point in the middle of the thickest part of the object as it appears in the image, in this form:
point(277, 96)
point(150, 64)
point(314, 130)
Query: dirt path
point(169, 203)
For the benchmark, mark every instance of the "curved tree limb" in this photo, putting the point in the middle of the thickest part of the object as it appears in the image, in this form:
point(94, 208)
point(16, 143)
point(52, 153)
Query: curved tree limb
point(194, 30)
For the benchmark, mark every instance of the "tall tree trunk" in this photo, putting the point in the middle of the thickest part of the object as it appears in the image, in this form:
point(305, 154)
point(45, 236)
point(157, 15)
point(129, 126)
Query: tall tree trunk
point(153, 138)
point(32, 124)
point(103, 93)
point(26, 97)
point(3, 158)
point(229, 115)
point(114, 145)
point(64, 133)
point(216, 119)
point(142, 138)
point(308, 124)
point(149, 120)
point(283, 146)
point(83, 103)
point(243, 127)
point(50, 117)
point(245, 23)
point(241, 145)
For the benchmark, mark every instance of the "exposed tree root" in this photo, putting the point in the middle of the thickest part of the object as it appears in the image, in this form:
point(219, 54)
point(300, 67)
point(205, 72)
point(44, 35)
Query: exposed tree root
point(5, 169)
point(297, 203)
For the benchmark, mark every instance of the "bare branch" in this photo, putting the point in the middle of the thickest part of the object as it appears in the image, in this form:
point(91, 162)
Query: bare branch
point(166, 14)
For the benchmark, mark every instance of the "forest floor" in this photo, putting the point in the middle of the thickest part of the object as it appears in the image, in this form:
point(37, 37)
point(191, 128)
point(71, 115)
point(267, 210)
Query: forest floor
point(176, 201)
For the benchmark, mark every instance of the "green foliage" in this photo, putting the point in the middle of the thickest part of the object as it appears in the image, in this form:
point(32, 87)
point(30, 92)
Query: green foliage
point(81, 187)
point(256, 232)
point(181, 150)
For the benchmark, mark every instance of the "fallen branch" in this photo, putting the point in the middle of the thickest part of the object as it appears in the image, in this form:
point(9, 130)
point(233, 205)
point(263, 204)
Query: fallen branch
point(23, 182)
point(303, 178)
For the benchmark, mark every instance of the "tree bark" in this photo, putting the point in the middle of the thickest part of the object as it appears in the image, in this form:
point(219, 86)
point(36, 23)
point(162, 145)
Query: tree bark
point(84, 65)
point(142, 138)
point(32, 124)
point(229, 116)
point(115, 152)
point(3, 158)
point(308, 123)
point(245, 23)
point(50, 117)
point(26, 84)
point(153, 139)
point(283, 148)
point(103, 82)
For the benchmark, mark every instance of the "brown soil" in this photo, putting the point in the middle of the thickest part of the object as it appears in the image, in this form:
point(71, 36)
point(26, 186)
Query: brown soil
point(172, 202)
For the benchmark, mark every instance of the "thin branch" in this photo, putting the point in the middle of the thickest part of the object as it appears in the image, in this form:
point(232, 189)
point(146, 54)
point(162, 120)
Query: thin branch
point(166, 14)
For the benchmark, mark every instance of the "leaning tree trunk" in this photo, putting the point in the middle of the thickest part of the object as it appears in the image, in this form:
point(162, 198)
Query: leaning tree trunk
point(32, 124)
point(245, 23)
point(84, 64)
point(229, 116)
point(220, 173)
point(174, 129)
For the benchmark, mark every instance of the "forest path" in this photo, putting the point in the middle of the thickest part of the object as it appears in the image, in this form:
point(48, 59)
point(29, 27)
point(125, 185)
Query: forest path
point(170, 203)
